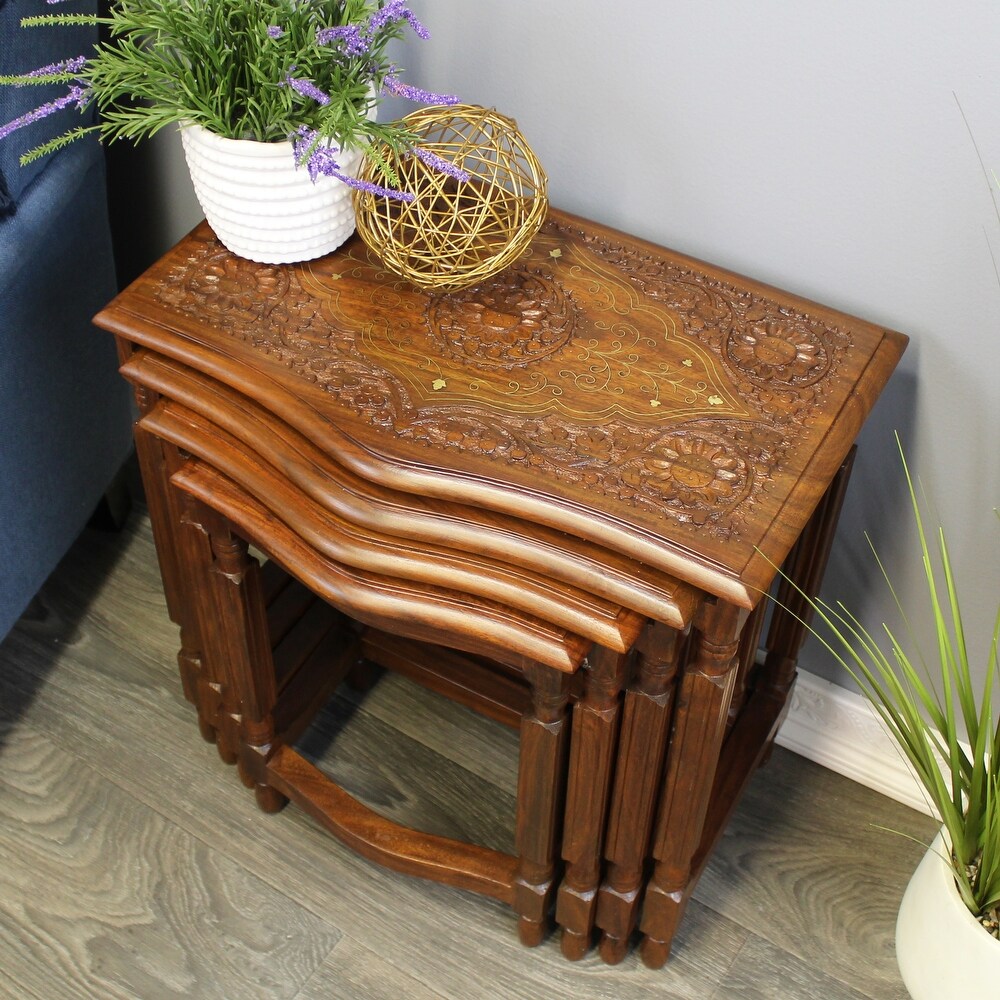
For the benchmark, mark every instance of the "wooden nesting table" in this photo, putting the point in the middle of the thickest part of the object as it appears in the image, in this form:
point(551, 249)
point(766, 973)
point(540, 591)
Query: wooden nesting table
point(557, 497)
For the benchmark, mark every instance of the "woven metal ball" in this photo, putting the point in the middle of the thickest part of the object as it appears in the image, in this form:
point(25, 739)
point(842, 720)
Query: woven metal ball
point(455, 233)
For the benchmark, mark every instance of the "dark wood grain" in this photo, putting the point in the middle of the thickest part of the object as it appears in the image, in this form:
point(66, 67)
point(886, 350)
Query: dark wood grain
point(480, 685)
point(800, 582)
point(440, 523)
point(541, 789)
point(318, 346)
point(427, 613)
point(596, 718)
point(645, 726)
point(651, 408)
point(705, 688)
point(345, 543)
point(465, 866)
point(176, 546)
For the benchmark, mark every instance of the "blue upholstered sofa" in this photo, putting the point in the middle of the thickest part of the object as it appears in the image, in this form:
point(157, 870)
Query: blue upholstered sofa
point(64, 410)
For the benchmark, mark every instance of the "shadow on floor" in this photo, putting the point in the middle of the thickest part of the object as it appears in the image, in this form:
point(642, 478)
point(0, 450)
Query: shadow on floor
point(54, 618)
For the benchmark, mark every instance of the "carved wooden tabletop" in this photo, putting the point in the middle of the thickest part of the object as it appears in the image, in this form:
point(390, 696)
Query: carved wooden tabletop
point(655, 405)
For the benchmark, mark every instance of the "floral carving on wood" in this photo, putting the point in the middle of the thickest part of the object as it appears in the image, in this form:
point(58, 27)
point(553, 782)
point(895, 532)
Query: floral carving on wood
point(217, 283)
point(671, 391)
point(784, 352)
point(696, 469)
point(781, 350)
point(510, 319)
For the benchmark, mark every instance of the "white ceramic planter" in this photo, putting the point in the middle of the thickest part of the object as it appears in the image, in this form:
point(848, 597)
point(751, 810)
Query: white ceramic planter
point(942, 951)
point(260, 205)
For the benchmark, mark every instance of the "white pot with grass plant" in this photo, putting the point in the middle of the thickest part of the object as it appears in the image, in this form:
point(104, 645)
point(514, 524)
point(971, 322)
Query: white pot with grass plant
point(275, 100)
point(946, 931)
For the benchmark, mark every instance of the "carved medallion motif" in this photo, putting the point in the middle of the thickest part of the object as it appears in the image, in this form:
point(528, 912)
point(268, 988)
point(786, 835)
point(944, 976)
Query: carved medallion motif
point(697, 469)
point(668, 390)
point(511, 319)
point(781, 350)
point(217, 282)
point(762, 344)
point(518, 343)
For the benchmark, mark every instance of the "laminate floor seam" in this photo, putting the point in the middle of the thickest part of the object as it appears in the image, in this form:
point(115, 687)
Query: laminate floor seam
point(317, 973)
point(721, 990)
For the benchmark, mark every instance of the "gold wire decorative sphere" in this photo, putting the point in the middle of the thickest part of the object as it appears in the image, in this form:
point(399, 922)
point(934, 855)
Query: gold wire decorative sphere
point(455, 233)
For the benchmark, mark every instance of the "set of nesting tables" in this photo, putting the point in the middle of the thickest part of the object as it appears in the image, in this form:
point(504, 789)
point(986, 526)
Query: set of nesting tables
point(557, 497)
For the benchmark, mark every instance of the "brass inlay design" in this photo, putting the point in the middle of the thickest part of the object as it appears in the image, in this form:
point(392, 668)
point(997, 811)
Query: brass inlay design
point(517, 343)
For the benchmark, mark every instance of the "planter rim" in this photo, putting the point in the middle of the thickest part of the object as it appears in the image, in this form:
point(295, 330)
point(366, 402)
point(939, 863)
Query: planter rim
point(941, 849)
point(280, 147)
point(277, 147)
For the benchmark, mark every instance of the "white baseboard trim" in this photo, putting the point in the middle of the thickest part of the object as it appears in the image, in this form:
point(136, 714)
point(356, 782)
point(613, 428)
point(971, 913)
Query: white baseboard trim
point(838, 729)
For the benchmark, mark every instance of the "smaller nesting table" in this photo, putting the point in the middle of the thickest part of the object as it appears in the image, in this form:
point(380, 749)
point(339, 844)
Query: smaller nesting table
point(557, 497)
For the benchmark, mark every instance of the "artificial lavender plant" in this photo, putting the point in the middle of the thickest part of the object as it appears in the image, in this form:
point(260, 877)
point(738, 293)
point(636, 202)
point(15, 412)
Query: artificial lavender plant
point(310, 71)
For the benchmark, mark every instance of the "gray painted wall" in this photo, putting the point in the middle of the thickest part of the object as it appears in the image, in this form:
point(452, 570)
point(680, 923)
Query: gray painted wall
point(820, 147)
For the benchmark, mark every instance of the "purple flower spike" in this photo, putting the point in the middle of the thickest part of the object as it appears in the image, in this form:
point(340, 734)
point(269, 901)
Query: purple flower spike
point(73, 65)
point(275, 31)
point(322, 162)
point(440, 163)
point(393, 85)
point(307, 89)
point(352, 42)
point(396, 10)
point(75, 95)
point(376, 189)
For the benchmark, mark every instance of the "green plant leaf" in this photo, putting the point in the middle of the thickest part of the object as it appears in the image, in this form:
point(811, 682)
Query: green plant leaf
point(927, 721)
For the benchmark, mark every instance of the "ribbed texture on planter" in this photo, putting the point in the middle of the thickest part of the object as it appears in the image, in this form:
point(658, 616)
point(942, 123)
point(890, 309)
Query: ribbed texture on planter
point(260, 205)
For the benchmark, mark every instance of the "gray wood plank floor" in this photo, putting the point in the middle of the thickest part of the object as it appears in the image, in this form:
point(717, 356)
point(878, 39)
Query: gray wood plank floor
point(133, 864)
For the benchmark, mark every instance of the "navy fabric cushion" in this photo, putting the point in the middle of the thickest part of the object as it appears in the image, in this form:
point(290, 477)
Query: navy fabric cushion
point(21, 51)
point(65, 414)
point(6, 202)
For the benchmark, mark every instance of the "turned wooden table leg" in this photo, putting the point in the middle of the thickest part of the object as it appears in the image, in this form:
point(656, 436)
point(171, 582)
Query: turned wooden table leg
point(803, 575)
point(645, 725)
point(540, 791)
point(241, 631)
point(180, 543)
point(749, 644)
point(156, 466)
point(592, 752)
point(699, 726)
point(214, 698)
